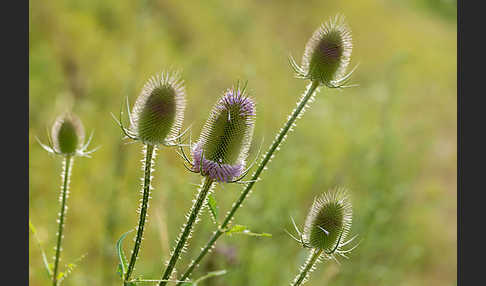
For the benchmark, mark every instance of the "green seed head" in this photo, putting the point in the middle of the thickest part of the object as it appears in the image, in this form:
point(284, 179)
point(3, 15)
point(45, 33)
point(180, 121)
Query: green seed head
point(328, 52)
point(328, 221)
point(67, 134)
point(159, 110)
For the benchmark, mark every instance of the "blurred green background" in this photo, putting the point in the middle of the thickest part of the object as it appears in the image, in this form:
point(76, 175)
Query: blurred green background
point(391, 141)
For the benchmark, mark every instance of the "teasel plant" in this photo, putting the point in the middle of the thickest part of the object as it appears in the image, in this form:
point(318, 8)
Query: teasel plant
point(325, 230)
point(326, 58)
point(66, 139)
point(155, 119)
point(219, 156)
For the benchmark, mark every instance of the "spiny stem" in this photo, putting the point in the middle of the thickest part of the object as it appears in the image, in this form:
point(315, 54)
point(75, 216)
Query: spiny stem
point(64, 195)
point(149, 156)
point(203, 252)
point(307, 267)
point(278, 140)
point(201, 197)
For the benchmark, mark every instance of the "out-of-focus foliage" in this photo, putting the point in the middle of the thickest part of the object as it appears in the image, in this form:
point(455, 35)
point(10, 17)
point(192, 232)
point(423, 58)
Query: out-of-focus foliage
point(391, 141)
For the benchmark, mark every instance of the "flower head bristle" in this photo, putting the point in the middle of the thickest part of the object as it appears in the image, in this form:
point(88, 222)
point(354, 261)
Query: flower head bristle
point(328, 221)
point(159, 109)
point(67, 134)
point(328, 52)
point(226, 137)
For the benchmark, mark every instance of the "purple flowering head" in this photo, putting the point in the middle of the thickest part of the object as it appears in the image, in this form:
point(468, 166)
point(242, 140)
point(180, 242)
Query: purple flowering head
point(225, 140)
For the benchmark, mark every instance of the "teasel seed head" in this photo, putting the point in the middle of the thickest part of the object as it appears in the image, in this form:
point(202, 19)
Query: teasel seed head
point(328, 221)
point(67, 134)
point(226, 137)
point(327, 54)
point(157, 115)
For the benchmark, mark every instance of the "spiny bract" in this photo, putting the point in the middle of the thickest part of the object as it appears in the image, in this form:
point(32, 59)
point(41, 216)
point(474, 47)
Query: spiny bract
point(328, 221)
point(226, 137)
point(67, 134)
point(159, 109)
point(328, 52)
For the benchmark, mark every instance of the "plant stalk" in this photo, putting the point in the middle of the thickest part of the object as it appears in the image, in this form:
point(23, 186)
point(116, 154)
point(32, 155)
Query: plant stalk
point(201, 197)
point(149, 156)
point(278, 140)
point(307, 268)
point(64, 195)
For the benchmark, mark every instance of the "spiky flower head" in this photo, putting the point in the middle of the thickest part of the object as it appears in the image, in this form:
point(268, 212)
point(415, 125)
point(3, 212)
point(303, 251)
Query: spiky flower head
point(328, 221)
point(159, 110)
point(67, 134)
point(226, 137)
point(327, 54)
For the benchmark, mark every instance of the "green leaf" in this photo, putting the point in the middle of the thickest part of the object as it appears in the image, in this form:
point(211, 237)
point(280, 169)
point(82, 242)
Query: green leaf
point(122, 266)
point(47, 266)
point(213, 207)
point(139, 280)
point(120, 271)
point(186, 283)
point(69, 268)
point(242, 229)
point(208, 275)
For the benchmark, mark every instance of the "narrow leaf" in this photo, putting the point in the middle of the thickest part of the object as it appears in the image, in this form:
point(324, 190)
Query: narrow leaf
point(44, 257)
point(209, 275)
point(122, 266)
point(242, 229)
point(69, 268)
point(139, 280)
point(184, 283)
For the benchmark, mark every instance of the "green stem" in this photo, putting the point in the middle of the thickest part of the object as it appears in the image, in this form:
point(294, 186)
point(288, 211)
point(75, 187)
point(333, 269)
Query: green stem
point(203, 252)
point(307, 268)
point(149, 156)
point(64, 195)
point(201, 197)
point(278, 140)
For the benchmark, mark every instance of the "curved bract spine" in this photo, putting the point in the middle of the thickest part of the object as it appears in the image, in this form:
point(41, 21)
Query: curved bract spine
point(332, 77)
point(305, 99)
point(326, 228)
point(327, 55)
point(66, 139)
point(67, 134)
point(158, 112)
point(328, 221)
point(219, 155)
point(225, 140)
point(155, 119)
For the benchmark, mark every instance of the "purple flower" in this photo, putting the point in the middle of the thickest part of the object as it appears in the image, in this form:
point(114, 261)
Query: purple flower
point(225, 139)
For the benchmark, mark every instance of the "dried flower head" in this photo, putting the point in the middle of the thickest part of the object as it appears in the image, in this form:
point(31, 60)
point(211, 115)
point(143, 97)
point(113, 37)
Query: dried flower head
point(328, 221)
point(327, 54)
point(225, 140)
point(158, 112)
point(67, 134)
